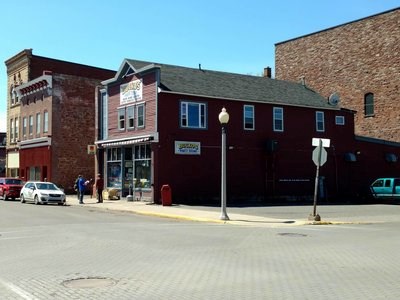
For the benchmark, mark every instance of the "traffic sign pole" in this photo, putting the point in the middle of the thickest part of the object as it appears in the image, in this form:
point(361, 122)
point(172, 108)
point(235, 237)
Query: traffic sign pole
point(314, 216)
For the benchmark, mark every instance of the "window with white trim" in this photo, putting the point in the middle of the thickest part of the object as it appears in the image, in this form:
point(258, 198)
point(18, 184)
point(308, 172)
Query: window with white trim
point(319, 121)
point(16, 128)
point(104, 115)
point(24, 124)
point(140, 112)
point(130, 114)
point(121, 118)
point(37, 124)
point(11, 130)
point(339, 120)
point(193, 115)
point(278, 119)
point(46, 121)
point(30, 125)
point(248, 117)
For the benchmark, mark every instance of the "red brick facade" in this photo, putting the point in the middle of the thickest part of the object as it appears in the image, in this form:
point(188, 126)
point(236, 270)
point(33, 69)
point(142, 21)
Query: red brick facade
point(353, 60)
point(64, 93)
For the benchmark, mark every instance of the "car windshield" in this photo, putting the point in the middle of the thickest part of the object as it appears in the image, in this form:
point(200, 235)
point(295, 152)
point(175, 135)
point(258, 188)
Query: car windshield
point(46, 186)
point(14, 181)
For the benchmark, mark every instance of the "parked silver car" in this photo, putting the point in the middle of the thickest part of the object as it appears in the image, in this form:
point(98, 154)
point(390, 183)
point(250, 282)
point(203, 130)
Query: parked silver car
point(42, 193)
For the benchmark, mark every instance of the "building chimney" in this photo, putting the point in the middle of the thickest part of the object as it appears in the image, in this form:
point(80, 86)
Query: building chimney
point(267, 72)
point(303, 80)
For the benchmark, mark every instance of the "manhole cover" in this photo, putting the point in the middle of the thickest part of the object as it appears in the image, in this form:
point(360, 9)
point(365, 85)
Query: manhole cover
point(292, 234)
point(91, 282)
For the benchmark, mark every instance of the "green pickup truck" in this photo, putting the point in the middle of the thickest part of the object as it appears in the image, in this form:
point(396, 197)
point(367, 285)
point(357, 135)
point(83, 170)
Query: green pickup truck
point(386, 188)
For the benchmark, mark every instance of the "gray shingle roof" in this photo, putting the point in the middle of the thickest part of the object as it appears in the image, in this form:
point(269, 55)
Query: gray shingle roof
point(234, 86)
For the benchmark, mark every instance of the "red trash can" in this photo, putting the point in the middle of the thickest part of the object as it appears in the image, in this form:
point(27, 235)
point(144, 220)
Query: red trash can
point(166, 197)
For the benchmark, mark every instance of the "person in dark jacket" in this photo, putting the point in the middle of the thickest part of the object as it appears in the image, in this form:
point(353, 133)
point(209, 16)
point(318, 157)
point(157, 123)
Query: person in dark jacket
point(99, 185)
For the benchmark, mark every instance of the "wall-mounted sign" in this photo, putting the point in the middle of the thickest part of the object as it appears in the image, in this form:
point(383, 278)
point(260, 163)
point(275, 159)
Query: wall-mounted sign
point(131, 91)
point(187, 148)
point(91, 149)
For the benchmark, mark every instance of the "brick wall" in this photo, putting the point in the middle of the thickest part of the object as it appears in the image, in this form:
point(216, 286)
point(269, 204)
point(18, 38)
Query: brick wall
point(352, 59)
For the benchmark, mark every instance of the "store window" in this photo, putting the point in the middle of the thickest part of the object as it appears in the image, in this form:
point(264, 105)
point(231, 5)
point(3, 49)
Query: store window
point(114, 167)
point(142, 166)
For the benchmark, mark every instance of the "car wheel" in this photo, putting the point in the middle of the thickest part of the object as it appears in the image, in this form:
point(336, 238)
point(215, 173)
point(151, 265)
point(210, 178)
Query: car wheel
point(36, 200)
point(22, 199)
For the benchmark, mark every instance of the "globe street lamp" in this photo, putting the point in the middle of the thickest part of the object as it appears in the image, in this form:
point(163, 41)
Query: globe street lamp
point(223, 119)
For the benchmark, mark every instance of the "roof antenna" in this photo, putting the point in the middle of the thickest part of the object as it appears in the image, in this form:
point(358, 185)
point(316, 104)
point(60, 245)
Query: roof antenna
point(200, 67)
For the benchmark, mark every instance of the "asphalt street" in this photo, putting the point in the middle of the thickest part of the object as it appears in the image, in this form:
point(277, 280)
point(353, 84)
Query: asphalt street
point(89, 252)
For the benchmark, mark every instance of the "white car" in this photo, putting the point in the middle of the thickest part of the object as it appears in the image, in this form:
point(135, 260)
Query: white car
point(42, 193)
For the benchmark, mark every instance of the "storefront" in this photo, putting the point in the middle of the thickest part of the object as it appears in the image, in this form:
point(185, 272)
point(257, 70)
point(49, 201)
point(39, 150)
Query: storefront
point(128, 163)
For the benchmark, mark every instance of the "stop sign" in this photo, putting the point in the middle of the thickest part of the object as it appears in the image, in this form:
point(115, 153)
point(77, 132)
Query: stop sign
point(319, 156)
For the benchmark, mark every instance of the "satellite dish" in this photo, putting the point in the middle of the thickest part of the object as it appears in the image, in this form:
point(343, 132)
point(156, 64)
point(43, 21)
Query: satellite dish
point(334, 99)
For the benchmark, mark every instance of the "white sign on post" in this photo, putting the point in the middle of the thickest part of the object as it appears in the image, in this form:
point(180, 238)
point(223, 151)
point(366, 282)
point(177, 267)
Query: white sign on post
point(325, 142)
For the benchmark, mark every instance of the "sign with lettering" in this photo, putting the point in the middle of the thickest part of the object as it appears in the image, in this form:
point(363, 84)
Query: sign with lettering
point(187, 148)
point(131, 91)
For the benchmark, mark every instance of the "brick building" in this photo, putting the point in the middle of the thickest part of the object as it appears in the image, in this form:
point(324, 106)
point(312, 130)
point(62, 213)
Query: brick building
point(3, 143)
point(51, 114)
point(360, 61)
point(157, 124)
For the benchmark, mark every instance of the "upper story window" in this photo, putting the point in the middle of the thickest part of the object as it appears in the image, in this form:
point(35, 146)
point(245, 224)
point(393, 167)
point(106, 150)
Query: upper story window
point(339, 120)
point(37, 124)
point(248, 117)
point(13, 95)
point(130, 112)
point(278, 118)
point(369, 104)
point(121, 118)
point(11, 130)
point(46, 121)
point(16, 127)
point(193, 115)
point(319, 121)
point(24, 125)
point(30, 125)
point(103, 114)
point(140, 115)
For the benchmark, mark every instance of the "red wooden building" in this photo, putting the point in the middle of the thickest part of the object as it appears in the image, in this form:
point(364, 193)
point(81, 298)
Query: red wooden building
point(158, 124)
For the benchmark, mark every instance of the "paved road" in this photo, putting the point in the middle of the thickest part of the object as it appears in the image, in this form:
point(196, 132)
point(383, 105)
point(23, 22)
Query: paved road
point(78, 252)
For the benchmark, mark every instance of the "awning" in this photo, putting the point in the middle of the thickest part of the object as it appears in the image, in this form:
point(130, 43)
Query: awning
point(125, 142)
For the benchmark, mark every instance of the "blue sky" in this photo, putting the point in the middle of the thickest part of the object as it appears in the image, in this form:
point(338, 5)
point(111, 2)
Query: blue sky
point(232, 36)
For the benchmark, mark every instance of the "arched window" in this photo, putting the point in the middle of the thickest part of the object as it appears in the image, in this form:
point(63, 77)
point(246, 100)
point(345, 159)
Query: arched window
point(369, 104)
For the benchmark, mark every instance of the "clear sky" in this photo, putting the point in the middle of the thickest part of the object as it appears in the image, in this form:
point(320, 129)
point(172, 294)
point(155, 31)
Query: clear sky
point(225, 35)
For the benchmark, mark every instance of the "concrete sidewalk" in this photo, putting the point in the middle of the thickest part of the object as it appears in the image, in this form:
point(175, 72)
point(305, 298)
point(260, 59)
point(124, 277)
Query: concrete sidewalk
point(183, 212)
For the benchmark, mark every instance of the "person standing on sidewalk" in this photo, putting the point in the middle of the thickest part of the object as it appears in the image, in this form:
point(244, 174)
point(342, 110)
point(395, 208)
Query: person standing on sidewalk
point(99, 185)
point(81, 188)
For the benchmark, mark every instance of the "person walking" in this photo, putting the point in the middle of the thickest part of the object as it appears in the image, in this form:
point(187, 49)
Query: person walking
point(99, 185)
point(81, 188)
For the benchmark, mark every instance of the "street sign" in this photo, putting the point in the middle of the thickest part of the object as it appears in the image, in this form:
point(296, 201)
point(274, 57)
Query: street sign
point(325, 142)
point(319, 156)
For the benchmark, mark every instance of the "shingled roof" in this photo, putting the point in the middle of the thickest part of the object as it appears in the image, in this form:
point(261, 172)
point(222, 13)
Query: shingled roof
point(223, 85)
